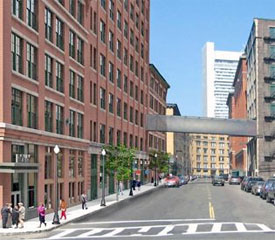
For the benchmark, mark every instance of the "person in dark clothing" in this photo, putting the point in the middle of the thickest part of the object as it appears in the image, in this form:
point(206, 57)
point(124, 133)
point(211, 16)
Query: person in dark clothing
point(5, 211)
point(134, 182)
point(15, 216)
point(138, 185)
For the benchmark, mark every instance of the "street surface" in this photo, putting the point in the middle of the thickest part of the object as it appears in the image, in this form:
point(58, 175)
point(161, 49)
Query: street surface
point(194, 211)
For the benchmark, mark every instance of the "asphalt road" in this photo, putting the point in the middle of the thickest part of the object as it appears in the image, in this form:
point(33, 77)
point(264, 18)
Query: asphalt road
point(197, 210)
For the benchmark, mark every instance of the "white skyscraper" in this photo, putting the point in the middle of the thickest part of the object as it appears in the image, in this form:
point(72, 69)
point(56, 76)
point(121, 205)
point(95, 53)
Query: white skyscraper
point(219, 69)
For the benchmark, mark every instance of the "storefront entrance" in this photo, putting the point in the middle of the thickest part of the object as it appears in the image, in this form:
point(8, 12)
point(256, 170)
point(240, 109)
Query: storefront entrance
point(15, 198)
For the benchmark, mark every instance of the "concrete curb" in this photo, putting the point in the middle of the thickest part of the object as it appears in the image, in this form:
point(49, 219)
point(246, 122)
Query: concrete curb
point(110, 208)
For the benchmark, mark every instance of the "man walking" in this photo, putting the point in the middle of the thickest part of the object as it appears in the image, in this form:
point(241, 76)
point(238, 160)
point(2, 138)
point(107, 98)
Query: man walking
point(21, 214)
point(5, 211)
point(84, 201)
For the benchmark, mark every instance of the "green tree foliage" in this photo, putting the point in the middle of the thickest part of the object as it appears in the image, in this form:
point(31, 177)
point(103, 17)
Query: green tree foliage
point(161, 162)
point(119, 160)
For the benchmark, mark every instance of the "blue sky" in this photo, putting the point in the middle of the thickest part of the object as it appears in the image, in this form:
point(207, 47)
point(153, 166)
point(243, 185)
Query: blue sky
point(180, 28)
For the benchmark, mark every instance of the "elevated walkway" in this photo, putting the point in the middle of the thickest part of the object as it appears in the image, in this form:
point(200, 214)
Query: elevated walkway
point(181, 124)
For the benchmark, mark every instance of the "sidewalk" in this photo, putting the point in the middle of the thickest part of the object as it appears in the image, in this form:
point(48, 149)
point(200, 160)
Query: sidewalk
point(76, 212)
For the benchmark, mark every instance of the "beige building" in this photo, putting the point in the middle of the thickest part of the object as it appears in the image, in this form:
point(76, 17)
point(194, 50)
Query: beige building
point(178, 146)
point(209, 154)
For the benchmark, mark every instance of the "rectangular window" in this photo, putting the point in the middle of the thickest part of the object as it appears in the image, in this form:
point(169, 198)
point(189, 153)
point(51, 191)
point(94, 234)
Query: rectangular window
point(95, 94)
point(72, 166)
point(118, 107)
point(102, 31)
point(59, 119)
point(132, 37)
point(111, 136)
point(125, 57)
point(111, 103)
point(141, 97)
point(95, 59)
point(80, 88)
point(48, 116)
point(125, 111)
point(131, 140)
point(136, 93)
point(118, 18)
point(141, 120)
point(136, 117)
point(126, 29)
point(272, 70)
point(72, 44)
point(111, 9)
point(32, 111)
point(16, 50)
point(118, 49)
point(142, 50)
point(111, 41)
point(125, 140)
point(126, 5)
point(125, 86)
point(31, 61)
point(17, 8)
point(31, 13)
point(111, 72)
point(72, 7)
point(80, 50)
point(59, 33)
point(131, 114)
point(16, 107)
point(102, 65)
point(137, 44)
point(80, 164)
point(131, 89)
point(272, 110)
point(48, 71)
point(132, 12)
point(136, 142)
point(142, 29)
point(102, 133)
point(72, 124)
point(131, 63)
point(80, 125)
point(118, 78)
point(136, 69)
point(272, 32)
point(103, 3)
point(80, 12)
point(48, 25)
point(59, 72)
point(95, 131)
point(72, 84)
point(118, 137)
point(272, 51)
point(137, 20)
point(102, 98)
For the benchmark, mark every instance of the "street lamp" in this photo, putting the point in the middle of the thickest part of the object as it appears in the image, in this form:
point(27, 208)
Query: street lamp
point(103, 202)
point(156, 155)
point(131, 182)
point(56, 217)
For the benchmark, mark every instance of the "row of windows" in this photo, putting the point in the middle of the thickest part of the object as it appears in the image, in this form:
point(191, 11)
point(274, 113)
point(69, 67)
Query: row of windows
point(156, 143)
point(212, 151)
point(221, 165)
point(157, 106)
point(212, 144)
point(212, 158)
point(132, 142)
point(155, 86)
point(32, 115)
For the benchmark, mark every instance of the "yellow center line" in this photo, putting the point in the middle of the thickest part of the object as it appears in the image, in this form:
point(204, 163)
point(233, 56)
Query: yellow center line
point(211, 211)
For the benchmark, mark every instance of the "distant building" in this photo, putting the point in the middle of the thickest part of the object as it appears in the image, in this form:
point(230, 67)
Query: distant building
point(178, 145)
point(219, 69)
point(237, 110)
point(209, 154)
point(260, 52)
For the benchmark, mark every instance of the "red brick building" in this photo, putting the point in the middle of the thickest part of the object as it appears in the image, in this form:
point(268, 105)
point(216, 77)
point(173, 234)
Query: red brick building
point(237, 110)
point(75, 74)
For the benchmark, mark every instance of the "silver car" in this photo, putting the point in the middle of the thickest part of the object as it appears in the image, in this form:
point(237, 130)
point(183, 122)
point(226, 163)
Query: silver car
point(256, 188)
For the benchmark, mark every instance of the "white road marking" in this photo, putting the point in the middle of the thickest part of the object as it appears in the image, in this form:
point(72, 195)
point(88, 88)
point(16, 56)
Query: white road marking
point(145, 221)
point(166, 231)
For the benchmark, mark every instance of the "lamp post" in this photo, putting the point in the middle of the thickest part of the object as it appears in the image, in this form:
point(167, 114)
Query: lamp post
point(156, 155)
point(131, 182)
point(103, 202)
point(56, 217)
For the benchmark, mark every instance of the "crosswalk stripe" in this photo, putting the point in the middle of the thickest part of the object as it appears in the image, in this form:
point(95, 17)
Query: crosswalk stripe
point(264, 227)
point(192, 228)
point(240, 227)
point(113, 233)
point(62, 234)
point(216, 227)
point(90, 233)
point(144, 229)
point(165, 231)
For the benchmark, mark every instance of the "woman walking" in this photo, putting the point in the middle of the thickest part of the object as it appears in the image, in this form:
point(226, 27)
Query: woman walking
point(41, 213)
point(21, 214)
point(63, 208)
point(15, 216)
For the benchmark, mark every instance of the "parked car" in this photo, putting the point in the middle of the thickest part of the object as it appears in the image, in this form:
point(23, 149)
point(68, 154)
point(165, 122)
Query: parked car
point(172, 181)
point(256, 189)
point(234, 180)
point(218, 180)
point(183, 180)
point(250, 182)
point(266, 187)
point(271, 193)
point(225, 176)
point(243, 183)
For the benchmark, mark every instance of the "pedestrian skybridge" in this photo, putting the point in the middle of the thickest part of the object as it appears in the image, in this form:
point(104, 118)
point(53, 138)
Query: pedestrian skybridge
point(181, 124)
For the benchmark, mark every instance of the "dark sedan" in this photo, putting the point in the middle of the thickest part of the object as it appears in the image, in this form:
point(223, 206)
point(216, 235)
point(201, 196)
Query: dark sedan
point(266, 187)
point(250, 182)
point(271, 194)
point(218, 180)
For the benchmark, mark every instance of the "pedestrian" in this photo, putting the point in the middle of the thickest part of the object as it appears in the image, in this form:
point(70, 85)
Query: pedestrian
point(63, 208)
point(41, 214)
point(9, 222)
point(134, 184)
point(15, 216)
point(84, 201)
point(138, 185)
point(5, 214)
point(152, 180)
point(121, 187)
point(21, 214)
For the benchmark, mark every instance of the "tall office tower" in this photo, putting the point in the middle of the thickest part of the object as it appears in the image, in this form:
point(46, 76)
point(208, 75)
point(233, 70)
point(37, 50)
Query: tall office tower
point(73, 74)
point(219, 69)
point(260, 52)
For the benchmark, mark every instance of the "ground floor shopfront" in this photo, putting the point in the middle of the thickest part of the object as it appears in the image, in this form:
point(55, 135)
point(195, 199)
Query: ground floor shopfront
point(29, 166)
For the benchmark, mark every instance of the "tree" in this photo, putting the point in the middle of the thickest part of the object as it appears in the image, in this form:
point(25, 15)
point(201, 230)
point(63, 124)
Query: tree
point(161, 162)
point(119, 160)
